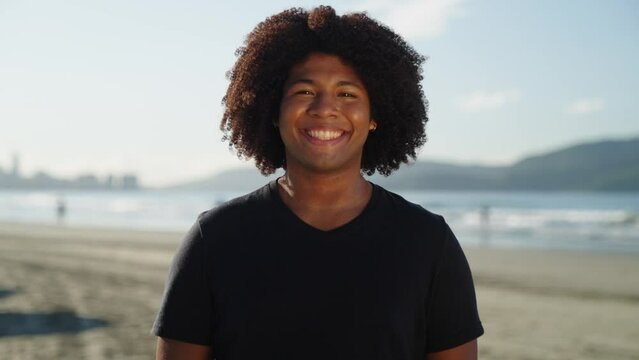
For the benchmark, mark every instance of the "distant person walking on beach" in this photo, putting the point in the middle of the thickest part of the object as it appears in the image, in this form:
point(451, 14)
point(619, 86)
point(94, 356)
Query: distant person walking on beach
point(321, 263)
point(484, 225)
point(61, 210)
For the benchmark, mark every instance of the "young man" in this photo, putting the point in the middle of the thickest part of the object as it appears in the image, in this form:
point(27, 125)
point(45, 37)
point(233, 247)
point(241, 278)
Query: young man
point(321, 264)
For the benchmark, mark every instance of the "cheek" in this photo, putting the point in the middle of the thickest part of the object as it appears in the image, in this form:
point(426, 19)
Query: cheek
point(285, 125)
point(288, 111)
point(284, 122)
point(359, 112)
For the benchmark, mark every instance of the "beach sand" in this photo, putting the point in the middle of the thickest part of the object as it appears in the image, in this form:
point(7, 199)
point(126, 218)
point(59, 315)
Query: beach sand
point(85, 293)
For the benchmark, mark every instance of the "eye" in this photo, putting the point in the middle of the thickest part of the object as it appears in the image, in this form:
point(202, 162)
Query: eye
point(304, 92)
point(346, 94)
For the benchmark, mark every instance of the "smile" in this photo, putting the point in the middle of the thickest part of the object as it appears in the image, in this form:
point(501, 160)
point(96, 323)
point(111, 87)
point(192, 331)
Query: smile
point(324, 135)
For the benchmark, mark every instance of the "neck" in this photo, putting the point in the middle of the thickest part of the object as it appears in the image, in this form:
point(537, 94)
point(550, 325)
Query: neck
point(301, 188)
point(324, 200)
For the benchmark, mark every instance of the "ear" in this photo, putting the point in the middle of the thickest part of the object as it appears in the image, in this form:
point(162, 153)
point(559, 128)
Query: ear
point(372, 125)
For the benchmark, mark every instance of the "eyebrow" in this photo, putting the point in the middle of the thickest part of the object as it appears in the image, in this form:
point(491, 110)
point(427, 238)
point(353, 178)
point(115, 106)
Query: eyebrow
point(339, 83)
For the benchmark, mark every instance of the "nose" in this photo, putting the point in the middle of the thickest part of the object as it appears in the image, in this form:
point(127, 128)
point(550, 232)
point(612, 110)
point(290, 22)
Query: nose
point(323, 105)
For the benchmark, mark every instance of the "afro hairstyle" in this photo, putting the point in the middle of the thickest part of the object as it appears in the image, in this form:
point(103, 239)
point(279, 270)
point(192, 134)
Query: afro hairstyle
point(389, 68)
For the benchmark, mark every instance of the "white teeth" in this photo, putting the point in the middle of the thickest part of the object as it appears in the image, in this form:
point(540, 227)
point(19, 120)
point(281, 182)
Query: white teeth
point(324, 134)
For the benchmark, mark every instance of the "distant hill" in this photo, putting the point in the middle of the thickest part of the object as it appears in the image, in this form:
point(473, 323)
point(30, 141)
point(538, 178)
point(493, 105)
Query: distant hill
point(603, 165)
point(240, 179)
point(611, 165)
point(443, 176)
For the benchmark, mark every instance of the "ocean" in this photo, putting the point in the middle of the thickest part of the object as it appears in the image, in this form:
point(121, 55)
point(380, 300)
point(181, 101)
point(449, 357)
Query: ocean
point(551, 220)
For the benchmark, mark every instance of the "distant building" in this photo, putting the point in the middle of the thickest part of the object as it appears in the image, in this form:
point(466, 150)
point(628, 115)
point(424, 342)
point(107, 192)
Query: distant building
point(12, 178)
point(129, 182)
point(108, 182)
point(16, 165)
point(87, 181)
point(42, 178)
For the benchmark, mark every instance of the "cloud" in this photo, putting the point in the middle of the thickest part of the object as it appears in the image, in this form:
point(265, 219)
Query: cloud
point(585, 106)
point(482, 100)
point(414, 18)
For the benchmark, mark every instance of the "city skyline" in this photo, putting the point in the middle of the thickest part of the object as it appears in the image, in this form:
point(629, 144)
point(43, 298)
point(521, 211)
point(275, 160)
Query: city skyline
point(109, 87)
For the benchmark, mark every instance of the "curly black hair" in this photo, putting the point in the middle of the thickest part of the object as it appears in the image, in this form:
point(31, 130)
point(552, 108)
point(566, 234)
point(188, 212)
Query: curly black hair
point(389, 68)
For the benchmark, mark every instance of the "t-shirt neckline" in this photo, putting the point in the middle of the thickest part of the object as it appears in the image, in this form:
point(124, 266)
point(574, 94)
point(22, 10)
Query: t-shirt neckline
point(286, 212)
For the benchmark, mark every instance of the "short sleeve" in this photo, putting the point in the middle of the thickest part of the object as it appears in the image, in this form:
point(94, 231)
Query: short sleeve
point(453, 318)
point(186, 310)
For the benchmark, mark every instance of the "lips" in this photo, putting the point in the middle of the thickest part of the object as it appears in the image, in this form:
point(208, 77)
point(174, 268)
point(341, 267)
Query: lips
point(324, 135)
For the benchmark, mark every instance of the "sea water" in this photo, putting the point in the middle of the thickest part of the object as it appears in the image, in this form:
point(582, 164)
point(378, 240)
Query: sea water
point(558, 220)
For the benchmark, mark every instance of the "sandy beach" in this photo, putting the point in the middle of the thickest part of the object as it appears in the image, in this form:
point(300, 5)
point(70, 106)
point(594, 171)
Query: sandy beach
point(85, 293)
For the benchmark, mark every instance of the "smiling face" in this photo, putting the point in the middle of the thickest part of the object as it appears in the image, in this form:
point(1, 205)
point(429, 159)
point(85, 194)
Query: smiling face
point(324, 116)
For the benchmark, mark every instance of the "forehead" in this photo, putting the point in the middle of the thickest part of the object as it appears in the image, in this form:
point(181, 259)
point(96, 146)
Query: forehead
point(321, 66)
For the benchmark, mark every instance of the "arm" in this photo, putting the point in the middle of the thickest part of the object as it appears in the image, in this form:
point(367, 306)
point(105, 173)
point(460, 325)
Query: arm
point(183, 324)
point(467, 351)
point(168, 349)
point(452, 308)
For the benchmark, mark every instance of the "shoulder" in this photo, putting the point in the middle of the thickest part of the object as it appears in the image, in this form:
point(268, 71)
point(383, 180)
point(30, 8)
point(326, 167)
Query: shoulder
point(411, 223)
point(408, 213)
point(242, 209)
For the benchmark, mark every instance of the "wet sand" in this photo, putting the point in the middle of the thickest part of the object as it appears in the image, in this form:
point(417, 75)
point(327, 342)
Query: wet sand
point(81, 293)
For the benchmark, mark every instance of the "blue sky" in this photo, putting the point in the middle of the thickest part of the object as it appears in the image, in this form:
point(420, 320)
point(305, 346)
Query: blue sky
point(135, 86)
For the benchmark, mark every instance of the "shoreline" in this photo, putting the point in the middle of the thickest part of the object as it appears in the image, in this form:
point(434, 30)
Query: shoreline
point(472, 243)
point(92, 293)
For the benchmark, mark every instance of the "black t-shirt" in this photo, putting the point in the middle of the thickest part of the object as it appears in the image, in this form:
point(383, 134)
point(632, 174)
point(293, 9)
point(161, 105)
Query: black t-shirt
point(253, 280)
